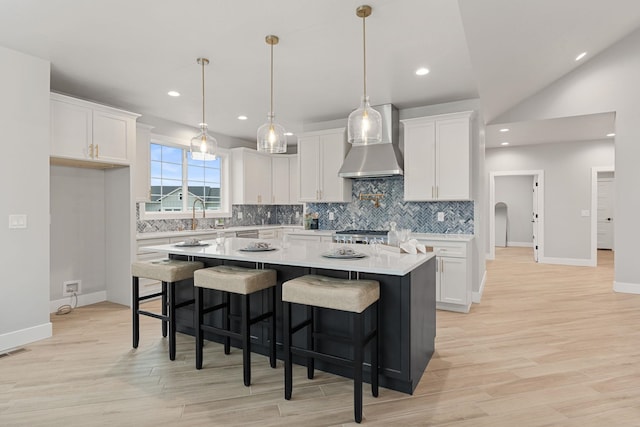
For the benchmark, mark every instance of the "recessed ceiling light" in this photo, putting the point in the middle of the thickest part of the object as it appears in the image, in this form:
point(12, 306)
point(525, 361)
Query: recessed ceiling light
point(242, 117)
point(422, 71)
point(582, 55)
point(504, 130)
point(504, 143)
point(173, 93)
point(288, 133)
point(611, 134)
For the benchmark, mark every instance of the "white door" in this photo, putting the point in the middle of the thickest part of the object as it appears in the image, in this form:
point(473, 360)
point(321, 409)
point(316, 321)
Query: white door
point(605, 213)
point(534, 218)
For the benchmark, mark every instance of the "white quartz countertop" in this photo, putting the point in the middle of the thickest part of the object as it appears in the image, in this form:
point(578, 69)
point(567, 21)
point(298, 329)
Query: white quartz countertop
point(196, 233)
point(304, 254)
point(417, 236)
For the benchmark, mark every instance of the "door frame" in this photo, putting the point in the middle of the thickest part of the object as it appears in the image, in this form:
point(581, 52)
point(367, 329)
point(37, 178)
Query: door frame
point(594, 211)
point(539, 174)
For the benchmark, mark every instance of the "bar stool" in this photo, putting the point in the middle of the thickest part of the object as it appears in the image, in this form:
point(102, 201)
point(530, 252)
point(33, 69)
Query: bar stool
point(169, 272)
point(244, 282)
point(353, 296)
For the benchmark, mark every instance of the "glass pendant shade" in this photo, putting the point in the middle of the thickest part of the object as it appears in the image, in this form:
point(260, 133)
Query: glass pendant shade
point(203, 145)
point(364, 125)
point(271, 137)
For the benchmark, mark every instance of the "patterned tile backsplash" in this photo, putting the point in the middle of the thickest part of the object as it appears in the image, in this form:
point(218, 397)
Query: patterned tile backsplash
point(251, 215)
point(421, 217)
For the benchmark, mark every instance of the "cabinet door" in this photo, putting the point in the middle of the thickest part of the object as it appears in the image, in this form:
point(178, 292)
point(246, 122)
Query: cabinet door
point(419, 162)
point(308, 168)
point(70, 130)
point(280, 178)
point(333, 150)
point(294, 181)
point(453, 167)
point(257, 176)
point(453, 280)
point(110, 137)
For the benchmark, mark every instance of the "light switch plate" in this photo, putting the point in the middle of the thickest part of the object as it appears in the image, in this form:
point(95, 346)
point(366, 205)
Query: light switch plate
point(331, 217)
point(440, 216)
point(239, 215)
point(18, 221)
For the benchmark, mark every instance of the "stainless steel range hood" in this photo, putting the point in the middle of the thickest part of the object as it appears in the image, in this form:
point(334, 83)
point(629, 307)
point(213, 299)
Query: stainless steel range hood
point(377, 160)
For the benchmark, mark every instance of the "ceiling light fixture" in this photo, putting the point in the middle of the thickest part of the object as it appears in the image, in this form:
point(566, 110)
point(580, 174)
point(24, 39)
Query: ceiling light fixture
point(582, 55)
point(611, 134)
point(365, 123)
point(203, 145)
point(504, 143)
point(422, 71)
point(504, 130)
point(271, 136)
point(288, 133)
point(173, 93)
point(242, 117)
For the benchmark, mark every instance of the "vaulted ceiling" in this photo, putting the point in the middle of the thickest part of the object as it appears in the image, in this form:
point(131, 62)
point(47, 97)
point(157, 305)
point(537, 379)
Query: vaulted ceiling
point(130, 53)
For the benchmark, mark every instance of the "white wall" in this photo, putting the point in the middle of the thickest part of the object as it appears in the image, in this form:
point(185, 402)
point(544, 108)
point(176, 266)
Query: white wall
point(567, 190)
point(516, 192)
point(24, 173)
point(77, 229)
point(607, 82)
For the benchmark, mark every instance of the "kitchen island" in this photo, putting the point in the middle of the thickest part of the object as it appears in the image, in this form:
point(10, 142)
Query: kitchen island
point(407, 300)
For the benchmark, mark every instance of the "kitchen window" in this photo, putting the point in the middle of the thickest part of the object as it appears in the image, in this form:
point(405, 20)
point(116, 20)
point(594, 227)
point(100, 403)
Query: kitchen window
point(180, 183)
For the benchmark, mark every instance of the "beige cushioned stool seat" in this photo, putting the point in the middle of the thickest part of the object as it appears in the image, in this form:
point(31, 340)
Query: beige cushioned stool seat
point(238, 280)
point(166, 270)
point(330, 292)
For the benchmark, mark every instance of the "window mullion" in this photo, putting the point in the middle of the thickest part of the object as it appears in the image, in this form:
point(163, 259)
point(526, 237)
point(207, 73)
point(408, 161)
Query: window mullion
point(185, 183)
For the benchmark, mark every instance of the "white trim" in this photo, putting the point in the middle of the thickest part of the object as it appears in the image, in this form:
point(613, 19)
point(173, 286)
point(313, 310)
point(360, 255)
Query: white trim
point(578, 262)
point(520, 244)
point(626, 288)
point(19, 338)
point(83, 299)
point(477, 296)
point(594, 209)
point(489, 256)
point(492, 213)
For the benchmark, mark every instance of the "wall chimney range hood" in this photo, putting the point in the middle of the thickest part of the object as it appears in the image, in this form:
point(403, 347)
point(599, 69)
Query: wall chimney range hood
point(377, 160)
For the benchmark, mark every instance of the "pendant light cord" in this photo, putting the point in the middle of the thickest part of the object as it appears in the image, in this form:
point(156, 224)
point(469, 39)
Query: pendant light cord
point(364, 54)
point(202, 61)
point(271, 111)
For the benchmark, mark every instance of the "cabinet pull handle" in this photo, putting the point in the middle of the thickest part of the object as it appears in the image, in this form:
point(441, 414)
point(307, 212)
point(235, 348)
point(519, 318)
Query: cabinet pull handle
point(433, 192)
point(259, 199)
point(437, 195)
point(91, 151)
point(97, 151)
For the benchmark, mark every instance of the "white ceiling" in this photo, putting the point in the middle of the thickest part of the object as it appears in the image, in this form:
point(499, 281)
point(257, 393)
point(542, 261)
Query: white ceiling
point(129, 53)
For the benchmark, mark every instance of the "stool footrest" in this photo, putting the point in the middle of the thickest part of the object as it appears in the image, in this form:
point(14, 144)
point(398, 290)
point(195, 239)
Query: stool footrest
point(185, 303)
point(214, 308)
point(322, 356)
point(158, 294)
point(300, 325)
point(156, 315)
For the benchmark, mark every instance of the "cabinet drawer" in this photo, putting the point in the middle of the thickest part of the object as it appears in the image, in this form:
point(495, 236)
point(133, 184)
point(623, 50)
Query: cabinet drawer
point(448, 249)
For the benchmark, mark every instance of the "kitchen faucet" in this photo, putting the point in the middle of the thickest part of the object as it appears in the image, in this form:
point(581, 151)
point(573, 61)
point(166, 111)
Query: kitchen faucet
point(194, 221)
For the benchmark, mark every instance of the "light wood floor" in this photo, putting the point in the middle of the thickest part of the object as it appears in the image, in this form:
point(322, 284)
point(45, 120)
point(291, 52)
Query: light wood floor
point(548, 346)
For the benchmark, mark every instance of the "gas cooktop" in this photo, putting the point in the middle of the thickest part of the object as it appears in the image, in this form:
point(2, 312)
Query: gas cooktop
point(363, 232)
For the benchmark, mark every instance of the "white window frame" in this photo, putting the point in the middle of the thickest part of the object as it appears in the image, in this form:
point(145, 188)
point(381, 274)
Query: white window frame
point(225, 184)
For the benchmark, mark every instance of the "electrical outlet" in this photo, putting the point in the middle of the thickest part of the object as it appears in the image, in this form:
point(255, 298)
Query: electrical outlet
point(268, 214)
point(331, 216)
point(440, 216)
point(71, 287)
point(239, 215)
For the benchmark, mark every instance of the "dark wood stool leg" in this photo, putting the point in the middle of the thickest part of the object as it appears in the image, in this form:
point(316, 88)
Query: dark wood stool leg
point(272, 328)
point(199, 320)
point(358, 339)
point(286, 319)
point(164, 308)
point(245, 330)
point(172, 319)
point(374, 350)
point(310, 341)
point(226, 313)
point(135, 306)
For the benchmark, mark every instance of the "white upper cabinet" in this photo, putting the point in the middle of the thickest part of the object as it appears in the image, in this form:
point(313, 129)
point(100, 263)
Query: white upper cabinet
point(320, 156)
point(294, 180)
point(251, 173)
point(82, 130)
point(280, 179)
point(437, 157)
point(142, 165)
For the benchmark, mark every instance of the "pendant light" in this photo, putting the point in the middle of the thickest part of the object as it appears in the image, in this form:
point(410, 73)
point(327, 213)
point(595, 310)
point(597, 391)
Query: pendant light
point(365, 123)
point(271, 136)
point(203, 145)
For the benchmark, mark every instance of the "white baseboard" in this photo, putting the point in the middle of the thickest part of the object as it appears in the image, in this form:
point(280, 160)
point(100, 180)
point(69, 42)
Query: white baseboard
point(25, 336)
point(626, 288)
point(577, 262)
point(83, 299)
point(488, 257)
point(477, 296)
point(520, 244)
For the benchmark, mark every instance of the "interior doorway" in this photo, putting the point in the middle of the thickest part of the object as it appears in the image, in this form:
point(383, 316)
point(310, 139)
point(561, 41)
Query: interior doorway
point(534, 211)
point(602, 206)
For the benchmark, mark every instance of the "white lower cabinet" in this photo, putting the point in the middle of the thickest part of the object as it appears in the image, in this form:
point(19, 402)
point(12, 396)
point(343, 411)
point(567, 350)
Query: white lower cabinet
point(309, 237)
point(453, 275)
